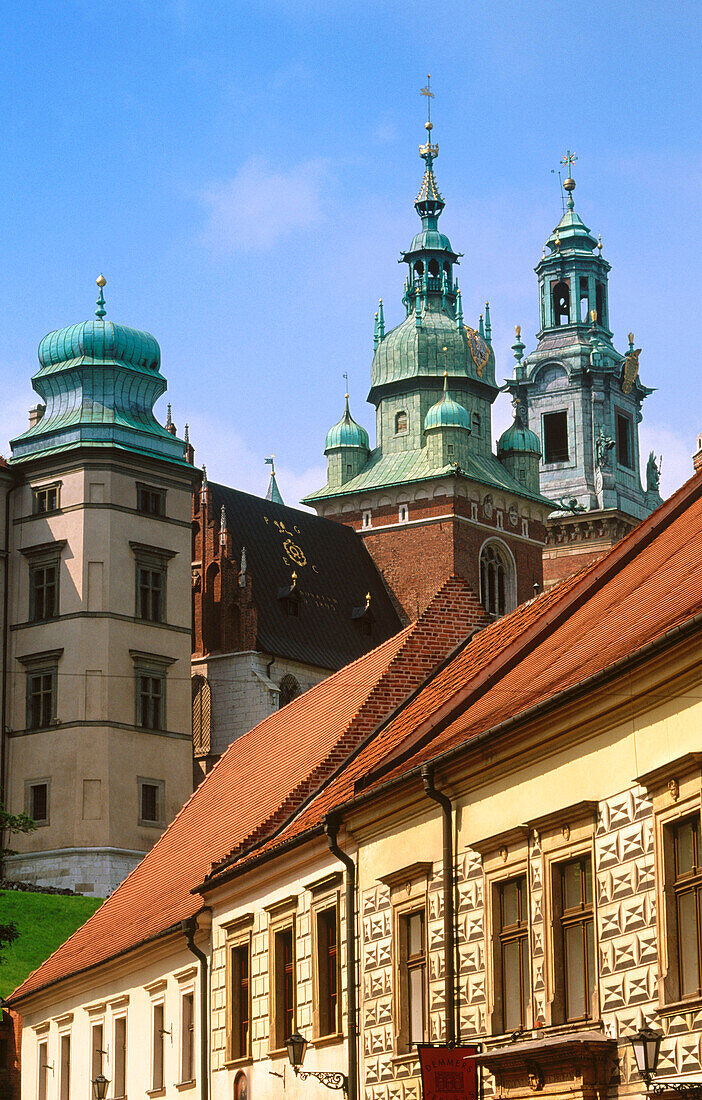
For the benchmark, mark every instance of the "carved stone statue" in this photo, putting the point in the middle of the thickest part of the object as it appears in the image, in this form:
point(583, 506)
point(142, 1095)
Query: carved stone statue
point(603, 445)
point(653, 473)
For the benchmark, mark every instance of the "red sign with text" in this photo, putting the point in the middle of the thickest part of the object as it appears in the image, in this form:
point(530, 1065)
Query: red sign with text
point(449, 1073)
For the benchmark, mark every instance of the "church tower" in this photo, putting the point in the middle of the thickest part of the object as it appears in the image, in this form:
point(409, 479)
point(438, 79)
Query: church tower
point(432, 499)
point(583, 399)
point(97, 721)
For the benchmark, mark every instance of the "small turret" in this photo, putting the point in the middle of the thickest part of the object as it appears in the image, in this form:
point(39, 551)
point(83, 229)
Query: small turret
point(273, 493)
point(446, 430)
point(346, 447)
point(519, 451)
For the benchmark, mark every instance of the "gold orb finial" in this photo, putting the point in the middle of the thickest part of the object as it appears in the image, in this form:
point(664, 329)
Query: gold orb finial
point(101, 281)
point(518, 330)
point(346, 397)
point(428, 125)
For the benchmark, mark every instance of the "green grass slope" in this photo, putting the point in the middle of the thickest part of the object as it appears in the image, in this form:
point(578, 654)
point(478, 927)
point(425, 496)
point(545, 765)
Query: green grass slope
point(43, 921)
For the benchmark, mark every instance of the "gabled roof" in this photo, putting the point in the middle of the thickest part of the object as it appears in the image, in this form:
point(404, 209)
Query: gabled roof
point(649, 584)
point(334, 572)
point(262, 776)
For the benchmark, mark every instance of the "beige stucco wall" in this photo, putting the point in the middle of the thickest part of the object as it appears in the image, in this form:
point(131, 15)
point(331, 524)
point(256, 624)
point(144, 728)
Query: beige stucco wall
point(94, 752)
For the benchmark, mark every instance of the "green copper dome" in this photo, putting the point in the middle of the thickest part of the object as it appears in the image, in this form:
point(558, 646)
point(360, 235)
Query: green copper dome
point(99, 382)
point(347, 433)
point(517, 438)
point(447, 413)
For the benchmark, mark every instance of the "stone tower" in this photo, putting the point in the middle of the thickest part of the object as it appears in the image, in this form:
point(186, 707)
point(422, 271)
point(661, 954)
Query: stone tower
point(432, 499)
point(97, 724)
point(583, 400)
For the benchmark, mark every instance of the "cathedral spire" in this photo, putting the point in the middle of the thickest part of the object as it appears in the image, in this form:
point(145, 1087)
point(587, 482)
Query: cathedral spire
point(429, 202)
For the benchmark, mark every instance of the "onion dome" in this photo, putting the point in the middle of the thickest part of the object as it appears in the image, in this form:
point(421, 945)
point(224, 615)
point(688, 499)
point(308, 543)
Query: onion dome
point(447, 413)
point(99, 382)
point(518, 439)
point(347, 433)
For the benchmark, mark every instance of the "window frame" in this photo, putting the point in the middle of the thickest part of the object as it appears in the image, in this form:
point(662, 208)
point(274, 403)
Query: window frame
point(238, 939)
point(621, 416)
point(154, 491)
point(64, 1078)
point(580, 916)
point(518, 934)
point(282, 921)
point(321, 906)
point(160, 784)
point(42, 1068)
point(187, 1046)
point(37, 493)
point(157, 1003)
point(150, 666)
point(404, 430)
point(41, 664)
point(29, 784)
point(38, 566)
point(121, 1018)
point(505, 561)
point(548, 458)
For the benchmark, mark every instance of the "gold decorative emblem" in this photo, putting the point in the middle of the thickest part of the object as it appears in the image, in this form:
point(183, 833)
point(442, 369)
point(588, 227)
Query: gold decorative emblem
point(294, 552)
point(479, 351)
point(631, 366)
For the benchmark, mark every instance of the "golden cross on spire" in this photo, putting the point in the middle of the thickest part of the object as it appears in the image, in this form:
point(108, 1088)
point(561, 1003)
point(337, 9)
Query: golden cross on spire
point(430, 95)
point(568, 160)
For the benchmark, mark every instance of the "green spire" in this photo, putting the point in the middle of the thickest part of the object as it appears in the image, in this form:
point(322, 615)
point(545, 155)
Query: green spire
point(100, 311)
point(488, 326)
point(459, 309)
point(376, 334)
point(481, 327)
point(273, 493)
point(518, 345)
point(381, 320)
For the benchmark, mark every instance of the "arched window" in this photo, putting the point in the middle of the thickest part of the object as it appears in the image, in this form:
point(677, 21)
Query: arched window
point(561, 304)
point(400, 423)
point(202, 715)
point(496, 580)
point(289, 689)
point(419, 269)
point(434, 269)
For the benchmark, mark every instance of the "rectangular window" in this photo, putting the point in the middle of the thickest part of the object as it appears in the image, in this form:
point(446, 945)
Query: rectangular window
point(151, 801)
point(688, 905)
point(328, 970)
point(96, 1051)
point(577, 938)
point(150, 593)
point(37, 802)
point(157, 1046)
point(284, 978)
point(43, 592)
point(150, 501)
point(413, 977)
point(65, 1067)
point(475, 421)
point(187, 1038)
point(367, 518)
point(403, 514)
point(41, 699)
point(46, 500)
point(555, 437)
point(119, 1069)
point(150, 702)
point(239, 1001)
point(42, 1070)
point(625, 450)
point(512, 959)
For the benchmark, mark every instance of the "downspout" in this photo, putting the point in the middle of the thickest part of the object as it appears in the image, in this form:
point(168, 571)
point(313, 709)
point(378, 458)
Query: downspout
point(449, 904)
point(5, 660)
point(331, 828)
point(188, 928)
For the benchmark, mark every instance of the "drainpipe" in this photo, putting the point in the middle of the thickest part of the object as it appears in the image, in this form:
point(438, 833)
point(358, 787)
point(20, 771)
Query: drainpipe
point(449, 907)
point(5, 660)
point(331, 828)
point(188, 928)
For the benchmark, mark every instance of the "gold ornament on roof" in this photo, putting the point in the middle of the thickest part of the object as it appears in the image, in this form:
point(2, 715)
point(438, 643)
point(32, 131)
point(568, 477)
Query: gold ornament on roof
point(101, 281)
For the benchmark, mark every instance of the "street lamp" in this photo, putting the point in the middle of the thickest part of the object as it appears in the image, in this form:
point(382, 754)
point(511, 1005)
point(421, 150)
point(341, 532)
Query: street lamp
point(100, 1084)
point(646, 1045)
point(297, 1045)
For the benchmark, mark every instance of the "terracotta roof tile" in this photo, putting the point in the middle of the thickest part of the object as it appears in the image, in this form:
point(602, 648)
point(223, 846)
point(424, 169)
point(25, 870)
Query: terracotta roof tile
point(259, 773)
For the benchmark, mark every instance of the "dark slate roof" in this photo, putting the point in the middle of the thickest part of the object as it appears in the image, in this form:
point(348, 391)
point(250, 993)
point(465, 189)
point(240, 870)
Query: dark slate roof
point(334, 573)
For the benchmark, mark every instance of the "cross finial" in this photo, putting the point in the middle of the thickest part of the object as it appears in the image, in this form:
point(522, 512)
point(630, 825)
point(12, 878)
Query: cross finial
point(568, 160)
point(345, 377)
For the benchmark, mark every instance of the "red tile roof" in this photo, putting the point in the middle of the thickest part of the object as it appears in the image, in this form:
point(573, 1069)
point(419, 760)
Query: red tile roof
point(647, 584)
point(263, 773)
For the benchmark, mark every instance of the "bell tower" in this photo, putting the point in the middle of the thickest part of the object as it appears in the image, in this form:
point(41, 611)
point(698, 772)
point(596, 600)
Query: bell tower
point(583, 399)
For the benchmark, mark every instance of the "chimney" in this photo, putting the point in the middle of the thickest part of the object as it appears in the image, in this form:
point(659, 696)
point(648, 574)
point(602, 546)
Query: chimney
point(697, 456)
point(35, 414)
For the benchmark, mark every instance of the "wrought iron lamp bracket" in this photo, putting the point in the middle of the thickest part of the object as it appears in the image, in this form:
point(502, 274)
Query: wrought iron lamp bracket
point(683, 1088)
point(330, 1078)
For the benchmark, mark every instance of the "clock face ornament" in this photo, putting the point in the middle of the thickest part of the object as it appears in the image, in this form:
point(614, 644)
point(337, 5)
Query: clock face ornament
point(479, 350)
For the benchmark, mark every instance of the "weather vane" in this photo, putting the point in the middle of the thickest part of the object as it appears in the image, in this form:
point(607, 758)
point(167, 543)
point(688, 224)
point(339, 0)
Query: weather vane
point(430, 95)
point(428, 151)
point(345, 376)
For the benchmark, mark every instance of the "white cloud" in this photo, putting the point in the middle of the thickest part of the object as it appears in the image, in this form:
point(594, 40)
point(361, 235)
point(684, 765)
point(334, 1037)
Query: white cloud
point(261, 204)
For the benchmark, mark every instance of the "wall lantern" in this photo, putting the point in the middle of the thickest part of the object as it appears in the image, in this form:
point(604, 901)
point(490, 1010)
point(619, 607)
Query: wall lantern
point(297, 1045)
point(646, 1045)
point(100, 1084)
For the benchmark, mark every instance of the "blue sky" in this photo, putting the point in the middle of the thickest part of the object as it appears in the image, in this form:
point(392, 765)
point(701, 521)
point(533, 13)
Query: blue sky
point(244, 172)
